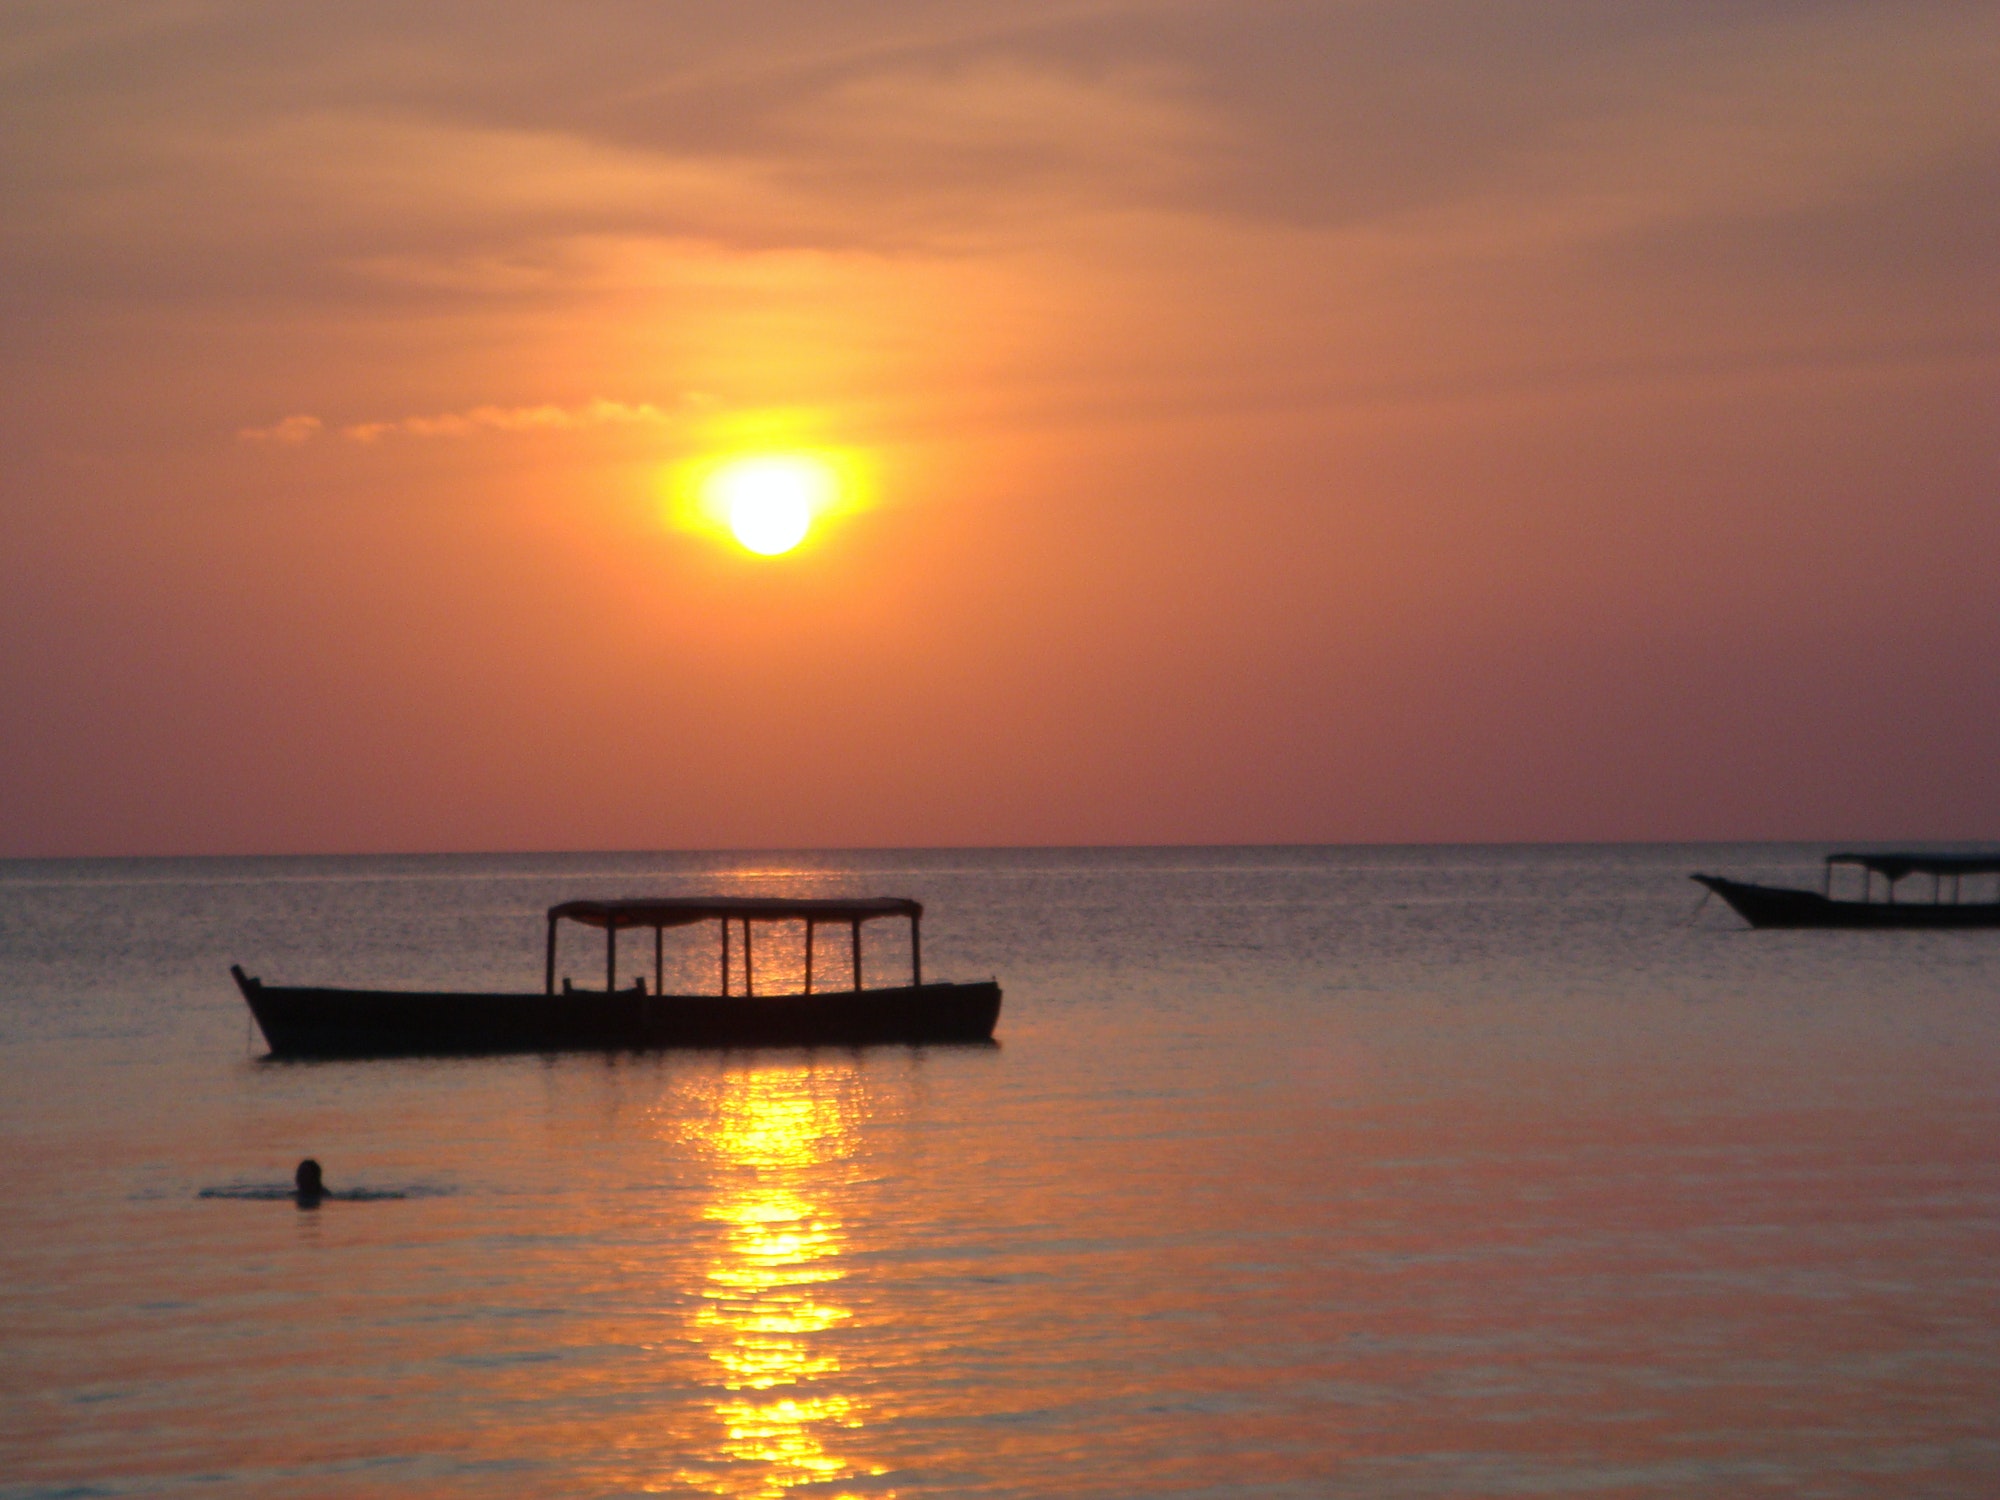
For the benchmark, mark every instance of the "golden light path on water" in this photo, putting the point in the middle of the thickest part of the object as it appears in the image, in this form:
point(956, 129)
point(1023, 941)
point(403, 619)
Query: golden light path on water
point(770, 1294)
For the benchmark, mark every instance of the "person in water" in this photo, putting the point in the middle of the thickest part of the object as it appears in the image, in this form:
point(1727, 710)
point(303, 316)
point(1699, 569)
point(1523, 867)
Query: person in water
point(311, 1188)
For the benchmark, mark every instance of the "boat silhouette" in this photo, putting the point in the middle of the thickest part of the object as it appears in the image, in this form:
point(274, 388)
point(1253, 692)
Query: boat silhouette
point(301, 1021)
point(1785, 906)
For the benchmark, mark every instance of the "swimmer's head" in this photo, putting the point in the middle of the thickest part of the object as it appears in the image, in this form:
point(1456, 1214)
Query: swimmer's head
point(308, 1180)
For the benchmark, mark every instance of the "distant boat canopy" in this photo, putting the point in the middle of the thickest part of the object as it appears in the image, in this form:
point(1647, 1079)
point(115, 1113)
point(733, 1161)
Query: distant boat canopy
point(1896, 866)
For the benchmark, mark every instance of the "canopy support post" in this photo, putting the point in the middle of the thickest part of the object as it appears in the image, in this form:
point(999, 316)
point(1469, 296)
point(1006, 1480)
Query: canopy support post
point(725, 958)
point(916, 951)
point(659, 960)
point(855, 924)
point(809, 955)
point(549, 966)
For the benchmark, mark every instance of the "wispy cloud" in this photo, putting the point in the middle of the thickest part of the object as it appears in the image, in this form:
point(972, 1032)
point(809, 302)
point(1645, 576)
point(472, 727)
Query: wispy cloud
point(294, 429)
point(455, 424)
point(475, 420)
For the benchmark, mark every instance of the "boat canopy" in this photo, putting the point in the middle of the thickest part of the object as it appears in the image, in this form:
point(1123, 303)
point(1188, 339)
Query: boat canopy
point(685, 911)
point(662, 912)
point(1896, 866)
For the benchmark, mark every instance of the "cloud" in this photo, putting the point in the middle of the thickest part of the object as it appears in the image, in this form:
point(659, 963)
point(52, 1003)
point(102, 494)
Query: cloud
point(1071, 202)
point(478, 419)
point(294, 429)
point(390, 159)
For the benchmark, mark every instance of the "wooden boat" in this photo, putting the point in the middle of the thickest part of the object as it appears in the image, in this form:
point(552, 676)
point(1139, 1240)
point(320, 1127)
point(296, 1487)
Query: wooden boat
point(315, 1022)
point(1784, 906)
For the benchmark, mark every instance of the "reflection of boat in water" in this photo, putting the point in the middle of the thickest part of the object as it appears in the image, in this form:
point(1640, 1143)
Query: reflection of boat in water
point(302, 1022)
point(1784, 906)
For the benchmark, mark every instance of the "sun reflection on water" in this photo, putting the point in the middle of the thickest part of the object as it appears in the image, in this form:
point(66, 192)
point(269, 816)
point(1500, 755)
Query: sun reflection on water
point(770, 1294)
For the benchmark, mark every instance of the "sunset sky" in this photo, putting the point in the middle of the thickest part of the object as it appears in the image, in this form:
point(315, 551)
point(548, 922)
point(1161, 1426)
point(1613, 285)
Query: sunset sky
point(1251, 422)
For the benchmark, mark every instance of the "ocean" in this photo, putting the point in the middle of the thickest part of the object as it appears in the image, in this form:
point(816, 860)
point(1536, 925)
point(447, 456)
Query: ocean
point(1383, 1172)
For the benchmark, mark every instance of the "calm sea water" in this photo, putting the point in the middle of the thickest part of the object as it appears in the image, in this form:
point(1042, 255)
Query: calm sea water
point(1372, 1172)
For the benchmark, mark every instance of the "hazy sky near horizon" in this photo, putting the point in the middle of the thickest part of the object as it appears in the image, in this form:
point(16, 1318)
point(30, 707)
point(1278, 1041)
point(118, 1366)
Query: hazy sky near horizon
point(1468, 420)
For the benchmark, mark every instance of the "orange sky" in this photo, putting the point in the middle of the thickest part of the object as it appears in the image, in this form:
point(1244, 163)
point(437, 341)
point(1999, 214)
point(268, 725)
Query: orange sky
point(1286, 422)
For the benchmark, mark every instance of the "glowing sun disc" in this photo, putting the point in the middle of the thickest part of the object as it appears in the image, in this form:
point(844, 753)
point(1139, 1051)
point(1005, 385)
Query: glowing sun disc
point(770, 501)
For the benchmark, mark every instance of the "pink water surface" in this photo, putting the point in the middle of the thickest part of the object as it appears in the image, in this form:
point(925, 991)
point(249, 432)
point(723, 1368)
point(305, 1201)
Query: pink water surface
point(1295, 1173)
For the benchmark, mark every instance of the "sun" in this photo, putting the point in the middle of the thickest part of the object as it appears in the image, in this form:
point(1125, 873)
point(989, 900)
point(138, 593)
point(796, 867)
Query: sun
point(769, 500)
point(760, 487)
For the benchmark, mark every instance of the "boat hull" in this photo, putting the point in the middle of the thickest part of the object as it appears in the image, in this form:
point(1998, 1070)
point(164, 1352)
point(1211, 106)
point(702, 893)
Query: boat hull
point(1781, 906)
point(304, 1022)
